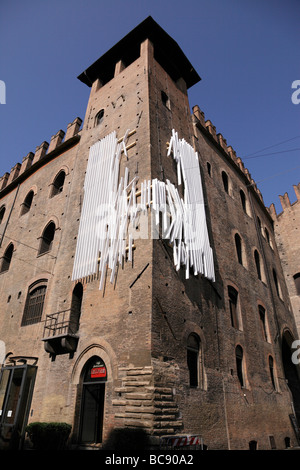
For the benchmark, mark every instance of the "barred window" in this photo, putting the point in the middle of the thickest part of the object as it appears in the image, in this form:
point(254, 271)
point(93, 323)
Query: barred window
point(34, 303)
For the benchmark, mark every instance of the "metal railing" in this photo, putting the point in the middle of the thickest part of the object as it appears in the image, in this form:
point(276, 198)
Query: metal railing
point(61, 323)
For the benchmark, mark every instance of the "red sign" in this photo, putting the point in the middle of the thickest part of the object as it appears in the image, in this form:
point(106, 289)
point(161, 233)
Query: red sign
point(98, 372)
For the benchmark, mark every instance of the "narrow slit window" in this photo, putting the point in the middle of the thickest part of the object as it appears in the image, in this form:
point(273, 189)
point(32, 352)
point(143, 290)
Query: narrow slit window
point(193, 349)
point(276, 283)
point(272, 374)
point(243, 199)
point(225, 182)
point(239, 364)
point(262, 318)
point(257, 264)
point(238, 247)
point(233, 306)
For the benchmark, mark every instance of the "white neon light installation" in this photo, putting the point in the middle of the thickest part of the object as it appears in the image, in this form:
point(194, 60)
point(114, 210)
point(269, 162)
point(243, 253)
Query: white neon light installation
point(110, 207)
point(193, 248)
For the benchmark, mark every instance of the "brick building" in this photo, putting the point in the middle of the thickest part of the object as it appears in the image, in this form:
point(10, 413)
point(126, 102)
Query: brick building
point(147, 343)
point(286, 227)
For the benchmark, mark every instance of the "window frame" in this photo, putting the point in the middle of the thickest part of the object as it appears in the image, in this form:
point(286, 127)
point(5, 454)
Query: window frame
point(194, 361)
point(58, 188)
point(99, 117)
point(5, 260)
point(234, 307)
point(296, 278)
point(2, 212)
point(25, 206)
point(240, 365)
point(239, 248)
point(42, 249)
point(29, 317)
point(262, 313)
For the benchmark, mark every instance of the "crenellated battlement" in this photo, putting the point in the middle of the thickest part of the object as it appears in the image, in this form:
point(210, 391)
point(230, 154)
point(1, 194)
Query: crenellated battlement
point(222, 143)
point(41, 151)
point(285, 202)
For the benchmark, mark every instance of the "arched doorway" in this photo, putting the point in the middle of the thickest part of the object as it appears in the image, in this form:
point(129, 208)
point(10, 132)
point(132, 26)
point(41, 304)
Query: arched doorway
point(92, 401)
point(291, 372)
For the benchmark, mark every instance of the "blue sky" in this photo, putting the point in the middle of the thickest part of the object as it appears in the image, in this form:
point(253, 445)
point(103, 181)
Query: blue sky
point(246, 52)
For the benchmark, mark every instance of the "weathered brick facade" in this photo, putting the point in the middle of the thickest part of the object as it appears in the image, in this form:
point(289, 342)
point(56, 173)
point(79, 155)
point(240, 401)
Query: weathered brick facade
point(140, 325)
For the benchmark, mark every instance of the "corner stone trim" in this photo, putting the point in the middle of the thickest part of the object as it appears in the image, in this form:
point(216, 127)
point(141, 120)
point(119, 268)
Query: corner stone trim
point(141, 404)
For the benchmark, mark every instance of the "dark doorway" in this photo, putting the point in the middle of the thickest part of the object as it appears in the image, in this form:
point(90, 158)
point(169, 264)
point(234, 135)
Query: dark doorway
point(16, 388)
point(92, 401)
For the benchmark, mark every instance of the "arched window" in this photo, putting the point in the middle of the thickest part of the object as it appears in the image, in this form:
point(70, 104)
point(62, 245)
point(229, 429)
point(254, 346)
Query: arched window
point(34, 303)
point(58, 183)
point(272, 373)
point(76, 307)
point(47, 239)
point(234, 307)
point(2, 212)
point(263, 322)
point(240, 364)
point(243, 199)
point(238, 247)
point(27, 203)
point(225, 181)
point(99, 117)
point(165, 99)
point(6, 259)
point(257, 264)
point(297, 282)
point(193, 359)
